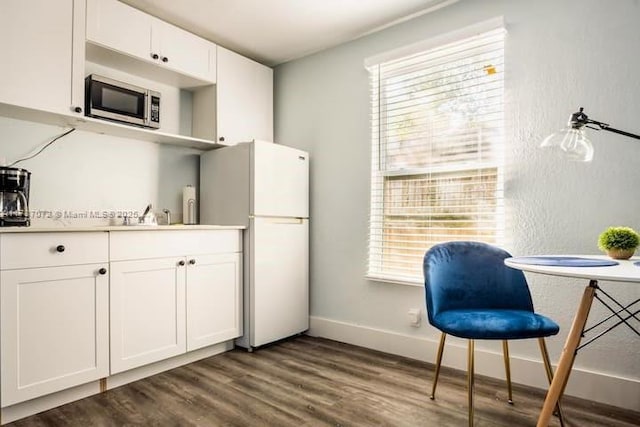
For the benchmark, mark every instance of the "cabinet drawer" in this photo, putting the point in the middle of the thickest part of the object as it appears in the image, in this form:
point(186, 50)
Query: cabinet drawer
point(28, 250)
point(129, 245)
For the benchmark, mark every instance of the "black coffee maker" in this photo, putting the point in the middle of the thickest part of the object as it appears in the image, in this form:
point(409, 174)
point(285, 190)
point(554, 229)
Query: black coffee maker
point(14, 197)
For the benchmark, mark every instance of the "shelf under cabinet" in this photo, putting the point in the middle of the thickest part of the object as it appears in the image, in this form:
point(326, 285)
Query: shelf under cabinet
point(107, 128)
point(125, 131)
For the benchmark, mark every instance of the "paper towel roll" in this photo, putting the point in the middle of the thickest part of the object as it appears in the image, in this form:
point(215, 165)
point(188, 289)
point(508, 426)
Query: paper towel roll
point(189, 205)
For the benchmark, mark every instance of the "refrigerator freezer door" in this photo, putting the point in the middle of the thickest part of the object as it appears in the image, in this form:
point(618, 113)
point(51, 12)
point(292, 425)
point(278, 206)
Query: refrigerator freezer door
point(279, 279)
point(280, 181)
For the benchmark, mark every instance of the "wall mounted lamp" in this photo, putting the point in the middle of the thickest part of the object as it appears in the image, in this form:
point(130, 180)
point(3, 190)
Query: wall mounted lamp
point(573, 140)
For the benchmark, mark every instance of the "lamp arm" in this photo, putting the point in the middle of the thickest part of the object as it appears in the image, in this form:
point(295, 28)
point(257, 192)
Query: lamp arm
point(605, 126)
point(580, 119)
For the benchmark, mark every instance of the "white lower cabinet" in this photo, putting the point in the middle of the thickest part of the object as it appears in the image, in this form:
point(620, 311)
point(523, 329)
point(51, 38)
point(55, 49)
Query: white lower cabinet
point(76, 307)
point(172, 292)
point(213, 299)
point(55, 331)
point(147, 311)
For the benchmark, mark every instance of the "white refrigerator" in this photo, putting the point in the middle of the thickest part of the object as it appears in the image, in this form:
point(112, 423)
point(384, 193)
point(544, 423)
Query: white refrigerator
point(264, 186)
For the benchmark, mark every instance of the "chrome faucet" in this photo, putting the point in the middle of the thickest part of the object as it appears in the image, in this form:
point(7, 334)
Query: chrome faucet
point(167, 212)
point(127, 220)
point(148, 217)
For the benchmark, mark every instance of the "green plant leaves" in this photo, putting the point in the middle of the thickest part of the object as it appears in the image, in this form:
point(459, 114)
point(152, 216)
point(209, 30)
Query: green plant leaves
point(618, 238)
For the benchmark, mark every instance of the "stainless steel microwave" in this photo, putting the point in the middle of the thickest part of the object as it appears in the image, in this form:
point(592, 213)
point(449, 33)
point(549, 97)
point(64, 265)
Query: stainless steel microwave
point(121, 102)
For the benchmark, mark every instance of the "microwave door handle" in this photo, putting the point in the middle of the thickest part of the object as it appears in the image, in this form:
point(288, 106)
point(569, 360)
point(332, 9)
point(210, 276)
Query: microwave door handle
point(147, 108)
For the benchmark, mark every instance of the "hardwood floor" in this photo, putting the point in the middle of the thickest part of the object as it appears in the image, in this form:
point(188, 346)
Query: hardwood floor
point(309, 381)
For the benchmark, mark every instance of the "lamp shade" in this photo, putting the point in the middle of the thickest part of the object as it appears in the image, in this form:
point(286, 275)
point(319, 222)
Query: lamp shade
point(572, 143)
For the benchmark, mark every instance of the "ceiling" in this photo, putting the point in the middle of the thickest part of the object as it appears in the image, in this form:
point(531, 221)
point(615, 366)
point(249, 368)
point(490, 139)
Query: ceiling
point(277, 31)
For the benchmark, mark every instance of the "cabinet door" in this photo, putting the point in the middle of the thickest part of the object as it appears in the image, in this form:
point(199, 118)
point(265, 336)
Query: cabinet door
point(39, 57)
point(119, 27)
point(183, 52)
point(213, 299)
point(147, 311)
point(244, 99)
point(55, 331)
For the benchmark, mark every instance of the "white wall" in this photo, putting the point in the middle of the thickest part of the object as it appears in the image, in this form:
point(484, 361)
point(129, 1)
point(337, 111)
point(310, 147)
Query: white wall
point(90, 172)
point(559, 55)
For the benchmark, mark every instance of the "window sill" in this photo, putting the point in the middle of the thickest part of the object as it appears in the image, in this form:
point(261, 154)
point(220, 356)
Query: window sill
point(390, 280)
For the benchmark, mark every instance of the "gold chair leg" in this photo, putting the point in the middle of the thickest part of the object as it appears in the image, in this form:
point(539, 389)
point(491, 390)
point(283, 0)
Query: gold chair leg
point(443, 336)
point(549, 370)
point(507, 369)
point(470, 369)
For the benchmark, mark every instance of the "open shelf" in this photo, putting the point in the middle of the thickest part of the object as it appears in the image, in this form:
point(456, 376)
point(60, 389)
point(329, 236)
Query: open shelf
point(90, 124)
point(116, 129)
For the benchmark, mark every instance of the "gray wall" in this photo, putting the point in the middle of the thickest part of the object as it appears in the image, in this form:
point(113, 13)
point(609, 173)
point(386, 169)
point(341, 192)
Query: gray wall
point(90, 172)
point(559, 55)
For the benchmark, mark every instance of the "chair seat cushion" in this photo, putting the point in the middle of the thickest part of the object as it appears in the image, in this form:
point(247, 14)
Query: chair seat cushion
point(495, 324)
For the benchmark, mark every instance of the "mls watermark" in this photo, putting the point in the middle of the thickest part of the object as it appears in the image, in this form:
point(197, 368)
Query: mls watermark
point(90, 214)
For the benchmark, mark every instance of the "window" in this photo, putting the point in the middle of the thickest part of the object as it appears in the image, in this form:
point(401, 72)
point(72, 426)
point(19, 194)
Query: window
point(437, 158)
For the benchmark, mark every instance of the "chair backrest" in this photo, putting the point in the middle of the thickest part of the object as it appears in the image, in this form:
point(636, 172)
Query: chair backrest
point(472, 275)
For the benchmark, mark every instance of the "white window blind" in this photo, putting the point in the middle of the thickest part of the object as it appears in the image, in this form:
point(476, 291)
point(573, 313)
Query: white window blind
point(437, 152)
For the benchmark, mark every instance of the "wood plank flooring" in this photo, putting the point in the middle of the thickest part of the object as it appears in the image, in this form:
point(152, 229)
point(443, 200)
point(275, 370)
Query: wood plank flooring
point(309, 381)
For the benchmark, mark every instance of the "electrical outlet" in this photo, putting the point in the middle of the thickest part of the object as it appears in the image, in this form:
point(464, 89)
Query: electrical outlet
point(415, 317)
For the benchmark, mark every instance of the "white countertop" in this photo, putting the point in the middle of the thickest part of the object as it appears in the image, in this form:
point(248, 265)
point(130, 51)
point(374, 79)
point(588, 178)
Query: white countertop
point(36, 229)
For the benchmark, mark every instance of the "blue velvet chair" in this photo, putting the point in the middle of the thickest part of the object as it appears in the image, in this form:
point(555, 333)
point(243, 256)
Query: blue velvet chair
point(471, 294)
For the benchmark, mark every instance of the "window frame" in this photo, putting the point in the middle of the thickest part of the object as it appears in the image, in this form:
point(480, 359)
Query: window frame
point(375, 272)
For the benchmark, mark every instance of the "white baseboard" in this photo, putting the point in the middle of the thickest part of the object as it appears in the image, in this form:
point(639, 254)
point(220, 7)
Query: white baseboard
point(595, 386)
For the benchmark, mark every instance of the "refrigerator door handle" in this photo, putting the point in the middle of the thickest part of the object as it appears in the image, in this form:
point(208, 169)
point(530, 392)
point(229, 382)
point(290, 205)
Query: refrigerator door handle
point(279, 219)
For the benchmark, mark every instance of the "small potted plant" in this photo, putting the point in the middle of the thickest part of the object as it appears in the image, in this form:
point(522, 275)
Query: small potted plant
point(619, 242)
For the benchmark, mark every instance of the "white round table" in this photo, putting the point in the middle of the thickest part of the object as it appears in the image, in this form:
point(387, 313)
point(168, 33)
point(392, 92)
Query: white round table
point(625, 271)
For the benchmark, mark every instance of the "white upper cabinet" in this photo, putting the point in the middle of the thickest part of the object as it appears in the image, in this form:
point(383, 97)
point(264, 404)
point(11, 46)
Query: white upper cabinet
point(119, 27)
point(41, 64)
point(182, 51)
point(122, 28)
point(244, 106)
point(48, 47)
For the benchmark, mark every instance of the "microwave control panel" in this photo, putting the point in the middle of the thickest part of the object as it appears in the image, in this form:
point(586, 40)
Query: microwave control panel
point(154, 115)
